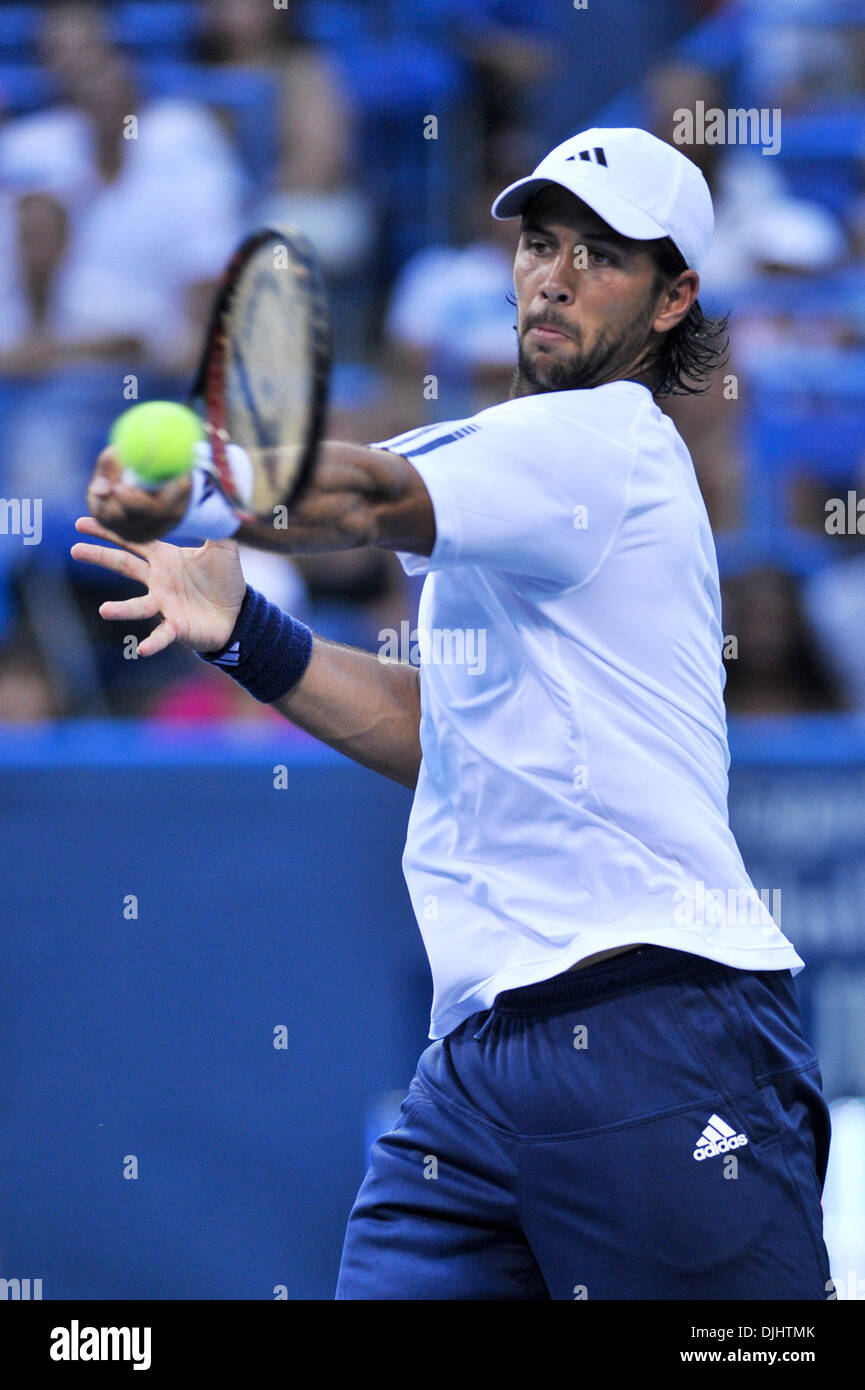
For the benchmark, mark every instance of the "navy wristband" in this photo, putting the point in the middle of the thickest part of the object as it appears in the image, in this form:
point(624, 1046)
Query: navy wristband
point(267, 653)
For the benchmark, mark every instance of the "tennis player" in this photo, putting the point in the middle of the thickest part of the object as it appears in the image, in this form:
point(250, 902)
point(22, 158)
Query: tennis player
point(618, 1101)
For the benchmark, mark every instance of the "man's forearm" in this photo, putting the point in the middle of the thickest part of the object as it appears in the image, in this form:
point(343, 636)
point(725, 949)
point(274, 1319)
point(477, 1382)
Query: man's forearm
point(356, 497)
point(365, 708)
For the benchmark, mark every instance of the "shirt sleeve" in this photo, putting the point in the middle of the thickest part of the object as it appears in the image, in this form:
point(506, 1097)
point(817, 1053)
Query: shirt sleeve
point(523, 488)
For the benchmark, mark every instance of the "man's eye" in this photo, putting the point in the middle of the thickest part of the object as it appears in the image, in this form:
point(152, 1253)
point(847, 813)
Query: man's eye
point(601, 257)
point(538, 247)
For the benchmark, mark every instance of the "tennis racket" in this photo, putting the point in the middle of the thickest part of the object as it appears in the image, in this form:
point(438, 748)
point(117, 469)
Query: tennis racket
point(263, 377)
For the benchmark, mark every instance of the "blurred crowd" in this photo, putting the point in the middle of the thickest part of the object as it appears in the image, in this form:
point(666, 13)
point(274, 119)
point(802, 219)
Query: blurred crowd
point(139, 142)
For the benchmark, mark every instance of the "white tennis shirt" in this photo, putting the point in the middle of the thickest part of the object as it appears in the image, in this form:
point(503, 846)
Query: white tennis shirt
point(573, 791)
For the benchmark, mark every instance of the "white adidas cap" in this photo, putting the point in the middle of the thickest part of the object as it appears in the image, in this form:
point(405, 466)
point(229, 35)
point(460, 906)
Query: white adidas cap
point(641, 186)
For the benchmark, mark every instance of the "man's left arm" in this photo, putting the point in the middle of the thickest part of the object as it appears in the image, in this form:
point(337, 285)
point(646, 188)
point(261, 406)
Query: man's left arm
point(357, 496)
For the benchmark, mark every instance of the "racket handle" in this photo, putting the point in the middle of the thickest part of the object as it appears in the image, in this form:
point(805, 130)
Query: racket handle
point(208, 515)
point(238, 461)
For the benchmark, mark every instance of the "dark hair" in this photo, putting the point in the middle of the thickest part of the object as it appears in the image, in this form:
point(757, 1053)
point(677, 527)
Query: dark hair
point(697, 346)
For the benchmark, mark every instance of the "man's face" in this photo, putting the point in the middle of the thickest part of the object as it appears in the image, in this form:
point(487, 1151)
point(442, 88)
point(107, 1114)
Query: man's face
point(586, 297)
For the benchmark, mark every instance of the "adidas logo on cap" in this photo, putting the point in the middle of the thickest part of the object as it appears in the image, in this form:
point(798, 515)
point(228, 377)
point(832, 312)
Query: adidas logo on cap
point(718, 1138)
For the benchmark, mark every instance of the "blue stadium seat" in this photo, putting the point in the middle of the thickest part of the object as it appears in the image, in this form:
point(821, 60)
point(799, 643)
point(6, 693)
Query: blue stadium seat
point(18, 28)
point(826, 134)
point(24, 87)
point(820, 14)
point(839, 296)
point(336, 23)
point(399, 78)
point(820, 155)
point(168, 27)
point(248, 96)
point(416, 182)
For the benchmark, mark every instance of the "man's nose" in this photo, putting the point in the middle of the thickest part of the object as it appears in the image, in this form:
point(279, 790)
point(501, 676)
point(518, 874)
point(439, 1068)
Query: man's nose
point(559, 286)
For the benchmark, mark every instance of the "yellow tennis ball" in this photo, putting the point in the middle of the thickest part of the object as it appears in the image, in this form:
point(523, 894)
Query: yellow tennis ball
point(156, 440)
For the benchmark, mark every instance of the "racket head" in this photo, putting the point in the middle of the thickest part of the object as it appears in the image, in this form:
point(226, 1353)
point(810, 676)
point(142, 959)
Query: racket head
point(263, 377)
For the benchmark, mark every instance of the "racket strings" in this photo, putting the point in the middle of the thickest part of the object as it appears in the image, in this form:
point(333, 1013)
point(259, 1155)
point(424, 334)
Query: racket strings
point(268, 373)
point(265, 370)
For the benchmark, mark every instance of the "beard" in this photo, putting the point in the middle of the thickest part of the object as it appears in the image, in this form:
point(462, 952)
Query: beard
point(611, 355)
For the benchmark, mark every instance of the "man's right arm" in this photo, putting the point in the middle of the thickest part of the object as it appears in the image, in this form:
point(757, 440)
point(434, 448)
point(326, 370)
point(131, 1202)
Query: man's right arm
point(365, 708)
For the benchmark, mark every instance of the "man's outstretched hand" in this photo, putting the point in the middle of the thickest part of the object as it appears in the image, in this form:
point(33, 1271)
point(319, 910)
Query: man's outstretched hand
point(196, 592)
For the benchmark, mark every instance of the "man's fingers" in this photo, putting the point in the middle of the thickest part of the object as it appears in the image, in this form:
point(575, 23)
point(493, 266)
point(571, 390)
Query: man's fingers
point(120, 561)
point(108, 464)
point(160, 638)
point(106, 475)
point(89, 526)
point(129, 609)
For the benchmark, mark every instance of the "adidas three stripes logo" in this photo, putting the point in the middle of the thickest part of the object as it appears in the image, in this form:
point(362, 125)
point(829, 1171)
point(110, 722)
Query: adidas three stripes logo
point(599, 156)
point(718, 1138)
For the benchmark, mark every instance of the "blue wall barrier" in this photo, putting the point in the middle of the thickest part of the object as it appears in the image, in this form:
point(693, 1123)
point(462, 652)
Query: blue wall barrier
point(150, 1037)
point(797, 806)
point(153, 1036)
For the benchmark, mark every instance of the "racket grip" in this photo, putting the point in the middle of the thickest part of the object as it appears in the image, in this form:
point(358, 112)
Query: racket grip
point(208, 515)
point(239, 463)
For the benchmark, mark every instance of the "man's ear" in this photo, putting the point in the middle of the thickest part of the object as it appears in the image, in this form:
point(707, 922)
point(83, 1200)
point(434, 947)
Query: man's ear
point(676, 301)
